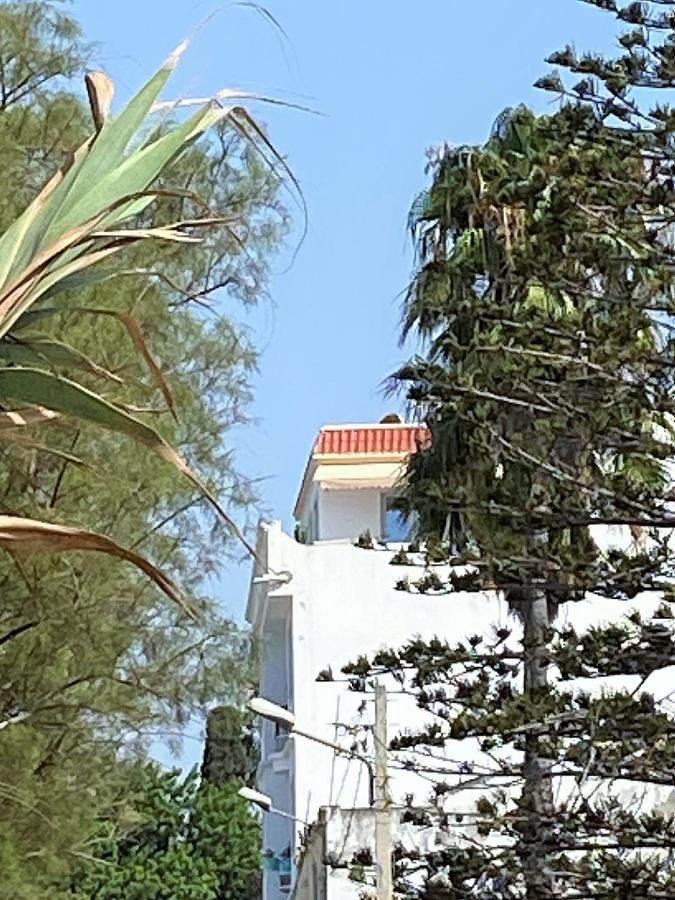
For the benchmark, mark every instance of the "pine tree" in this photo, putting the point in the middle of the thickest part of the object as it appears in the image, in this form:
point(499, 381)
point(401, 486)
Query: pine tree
point(544, 300)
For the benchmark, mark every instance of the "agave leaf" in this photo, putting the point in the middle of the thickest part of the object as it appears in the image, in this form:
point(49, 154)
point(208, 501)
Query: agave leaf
point(145, 410)
point(137, 169)
point(133, 234)
point(11, 239)
point(201, 223)
point(60, 394)
point(246, 125)
point(108, 149)
point(22, 240)
point(17, 533)
point(133, 328)
point(67, 269)
point(33, 351)
point(51, 213)
point(31, 316)
point(35, 256)
point(16, 291)
point(75, 282)
point(80, 279)
point(32, 284)
point(135, 333)
point(72, 224)
point(64, 396)
point(136, 172)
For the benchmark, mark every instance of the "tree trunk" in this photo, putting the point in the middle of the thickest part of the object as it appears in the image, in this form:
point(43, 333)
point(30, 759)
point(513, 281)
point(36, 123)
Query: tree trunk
point(537, 796)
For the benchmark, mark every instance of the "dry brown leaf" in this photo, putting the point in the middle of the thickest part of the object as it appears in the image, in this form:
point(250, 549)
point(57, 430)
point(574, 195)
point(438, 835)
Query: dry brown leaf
point(17, 533)
point(22, 418)
point(100, 90)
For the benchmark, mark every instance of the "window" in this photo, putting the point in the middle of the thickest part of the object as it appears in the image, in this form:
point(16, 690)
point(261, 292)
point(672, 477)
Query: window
point(395, 527)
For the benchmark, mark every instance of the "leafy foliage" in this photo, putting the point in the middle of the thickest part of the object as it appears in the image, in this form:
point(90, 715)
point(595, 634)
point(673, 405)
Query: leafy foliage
point(93, 664)
point(231, 756)
point(543, 299)
point(231, 751)
point(172, 836)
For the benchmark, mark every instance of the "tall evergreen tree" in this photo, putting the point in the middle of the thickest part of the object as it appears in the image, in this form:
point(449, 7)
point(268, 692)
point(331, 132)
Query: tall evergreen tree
point(544, 299)
point(231, 752)
point(231, 756)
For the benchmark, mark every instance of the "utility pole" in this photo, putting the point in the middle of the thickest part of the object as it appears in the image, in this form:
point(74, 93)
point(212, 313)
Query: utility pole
point(383, 838)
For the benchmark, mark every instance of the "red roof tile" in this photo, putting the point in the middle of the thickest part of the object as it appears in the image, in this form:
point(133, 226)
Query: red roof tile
point(390, 439)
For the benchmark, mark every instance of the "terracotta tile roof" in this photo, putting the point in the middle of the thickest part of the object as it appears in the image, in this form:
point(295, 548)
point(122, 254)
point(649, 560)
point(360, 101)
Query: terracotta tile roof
point(368, 439)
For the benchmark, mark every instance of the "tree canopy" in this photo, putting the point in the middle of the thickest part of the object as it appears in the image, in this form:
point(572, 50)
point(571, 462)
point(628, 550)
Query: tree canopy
point(94, 663)
point(543, 300)
point(172, 836)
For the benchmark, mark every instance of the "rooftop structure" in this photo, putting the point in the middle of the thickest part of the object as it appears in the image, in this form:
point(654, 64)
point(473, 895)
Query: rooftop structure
point(351, 478)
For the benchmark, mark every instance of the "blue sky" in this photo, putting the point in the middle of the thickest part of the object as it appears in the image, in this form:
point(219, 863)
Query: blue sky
point(391, 79)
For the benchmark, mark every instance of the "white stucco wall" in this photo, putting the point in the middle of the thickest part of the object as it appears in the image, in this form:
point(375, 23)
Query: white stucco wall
point(345, 604)
point(344, 514)
point(342, 603)
point(276, 647)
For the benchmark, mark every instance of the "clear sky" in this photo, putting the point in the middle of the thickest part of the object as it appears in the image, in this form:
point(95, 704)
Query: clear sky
point(391, 77)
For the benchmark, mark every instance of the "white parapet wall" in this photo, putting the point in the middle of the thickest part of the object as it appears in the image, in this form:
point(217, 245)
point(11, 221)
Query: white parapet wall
point(339, 602)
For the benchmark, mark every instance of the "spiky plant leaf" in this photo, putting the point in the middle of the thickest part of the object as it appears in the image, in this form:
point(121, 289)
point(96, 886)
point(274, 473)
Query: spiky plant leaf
point(17, 533)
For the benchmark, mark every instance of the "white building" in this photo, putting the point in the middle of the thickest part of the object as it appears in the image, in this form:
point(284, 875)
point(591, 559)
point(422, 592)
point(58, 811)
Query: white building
point(318, 605)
